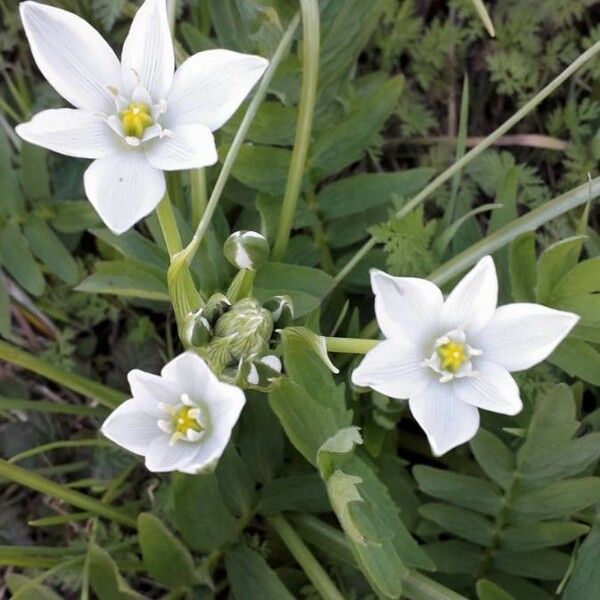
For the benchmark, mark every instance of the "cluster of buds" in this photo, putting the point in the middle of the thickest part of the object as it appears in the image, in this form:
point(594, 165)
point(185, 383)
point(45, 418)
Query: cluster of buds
point(237, 337)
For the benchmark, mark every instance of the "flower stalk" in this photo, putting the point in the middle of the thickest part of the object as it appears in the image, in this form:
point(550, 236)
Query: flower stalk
point(349, 345)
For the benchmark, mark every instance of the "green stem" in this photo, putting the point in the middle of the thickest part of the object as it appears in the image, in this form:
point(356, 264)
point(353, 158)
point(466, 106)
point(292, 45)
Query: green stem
point(77, 383)
point(349, 345)
point(306, 109)
point(186, 255)
point(306, 559)
point(51, 407)
point(199, 195)
point(319, 236)
point(56, 490)
point(168, 225)
point(475, 152)
point(57, 446)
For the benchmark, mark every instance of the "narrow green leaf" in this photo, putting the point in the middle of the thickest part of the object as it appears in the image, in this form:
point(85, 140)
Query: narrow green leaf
point(585, 579)
point(533, 536)
point(523, 267)
point(15, 255)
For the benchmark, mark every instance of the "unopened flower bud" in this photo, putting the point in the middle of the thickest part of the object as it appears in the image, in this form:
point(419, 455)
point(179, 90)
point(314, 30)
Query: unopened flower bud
point(215, 306)
point(261, 372)
point(197, 329)
point(282, 309)
point(246, 250)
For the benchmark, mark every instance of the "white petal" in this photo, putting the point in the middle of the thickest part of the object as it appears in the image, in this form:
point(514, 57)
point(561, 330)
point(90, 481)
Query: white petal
point(148, 49)
point(191, 372)
point(186, 147)
point(131, 428)
point(207, 454)
point(521, 335)
point(150, 390)
point(493, 388)
point(69, 131)
point(447, 421)
point(406, 307)
point(225, 403)
point(210, 86)
point(393, 368)
point(472, 302)
point(72, 56)
point(161, 456)
point(123, 188)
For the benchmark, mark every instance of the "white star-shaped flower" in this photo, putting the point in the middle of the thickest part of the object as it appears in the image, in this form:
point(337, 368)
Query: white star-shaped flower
point(135, 118)
point(179, 421)
point(449, 358)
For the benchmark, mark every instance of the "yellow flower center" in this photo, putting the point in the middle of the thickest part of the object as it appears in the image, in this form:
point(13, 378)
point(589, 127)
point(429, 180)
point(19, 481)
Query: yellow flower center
point(452, 356)
point(185, 419)
point(136, 118)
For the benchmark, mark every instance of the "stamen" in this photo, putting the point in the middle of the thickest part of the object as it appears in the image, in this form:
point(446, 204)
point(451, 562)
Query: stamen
point(136, 118)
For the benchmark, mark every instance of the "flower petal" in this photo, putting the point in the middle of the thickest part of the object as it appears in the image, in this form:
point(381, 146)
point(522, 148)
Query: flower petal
point(447, 421)
point(406, 307)
point(69, 131)
point(493, 388)
point(150, 390)
point(72, 56)
point(207, 454)
point(191, 372)
point(161, 456)
point(393, 368)
point(148, 49)
point(210, 86)
point(131, 428)
point(472, 302)
point(521, 335)
point(188, 147)
point(123, 188)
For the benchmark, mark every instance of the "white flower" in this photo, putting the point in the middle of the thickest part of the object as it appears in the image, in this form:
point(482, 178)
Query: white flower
point(449, 358)
point(180, 420)
point(135, 117)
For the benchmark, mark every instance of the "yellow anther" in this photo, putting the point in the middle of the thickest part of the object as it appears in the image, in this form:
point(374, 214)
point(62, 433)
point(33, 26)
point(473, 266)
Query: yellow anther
point(452, 356)
point(184, 419)
point(136, 118)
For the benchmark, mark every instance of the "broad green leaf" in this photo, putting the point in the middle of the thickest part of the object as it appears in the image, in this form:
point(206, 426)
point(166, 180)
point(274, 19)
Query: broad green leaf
point(559, 499)
point(251, 578)
point(129, 278)
point(48, 248)
point(22, 588)
point(15, 255)
point(462, 490)
point(584, 278)
point(166, 559)
point(585, 579)
point(333, 453)
point(454, 556)
point(587, 306)
point(486, 590)
point(105, 578)
point(235, 483)
point(462, 523)
point(533, 536)
point(274, 124)
point(302, 492)
point(132, 244)
point(578, 359)
point(494, 457)
point(34, 172)
point(353, 195)
point(307, 287)
point(302, 336)
point(200, 514)
point(537, 564)
point(73, 216)
point(523, 267)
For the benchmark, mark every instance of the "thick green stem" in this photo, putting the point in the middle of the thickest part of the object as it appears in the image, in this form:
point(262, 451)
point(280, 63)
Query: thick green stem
point(306, 109)
point(56, 490)
point(349, 345)
point(168, 225)
point(187, 254)
point(199, 195)
point(306, 559)
point(475, 152)
point(77, 383)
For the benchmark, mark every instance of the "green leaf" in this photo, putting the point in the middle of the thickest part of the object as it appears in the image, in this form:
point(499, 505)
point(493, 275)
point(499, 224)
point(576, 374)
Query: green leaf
point(584, 278)
point(556, 500)
point(31, 591)
point(493, 457)
point(34, 172)
point(585, 579)
point(129, 278)
point(200, 514)
point(533, 536)
point(307, 287)
point(165, 557)
point(486, 590)
point(302, 492)
point(132, 244)
point(537, 564)
point(454, 556)
point(251, 578)
point(235, 483)
point(17, 259)
point(4, 308)
point(523, 267)
point(354, 195)
point(48, 248)
point(303, 336)
point(462, 490)
point(462, 523)
point(73, 216)
point(105, 578)
point(578, 359)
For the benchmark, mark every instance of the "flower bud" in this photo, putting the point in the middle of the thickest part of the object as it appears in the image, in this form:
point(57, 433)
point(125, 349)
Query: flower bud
point(282, 309)
point(261, 372)
point(246, 250)
point(197, 329)
point(215, 306)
